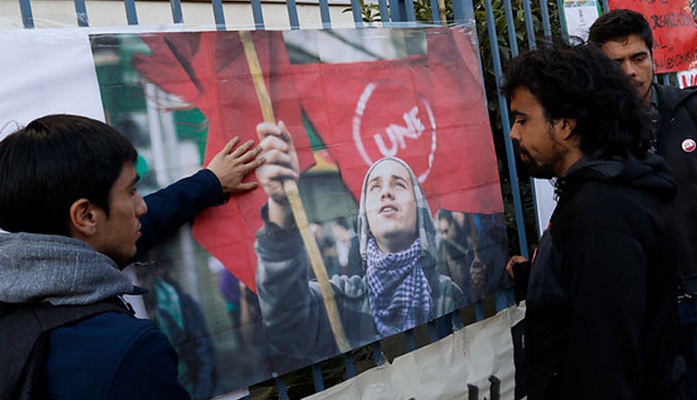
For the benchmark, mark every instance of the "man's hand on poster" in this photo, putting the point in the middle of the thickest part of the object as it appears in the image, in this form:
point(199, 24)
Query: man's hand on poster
point(518, 267)
point(232, 166)
point(512, 262)
point(282, 163)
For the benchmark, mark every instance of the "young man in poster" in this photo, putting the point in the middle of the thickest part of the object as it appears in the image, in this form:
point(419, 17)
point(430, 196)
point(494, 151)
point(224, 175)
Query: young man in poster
point(400, 288)
point(601, 312)
point(626, 37)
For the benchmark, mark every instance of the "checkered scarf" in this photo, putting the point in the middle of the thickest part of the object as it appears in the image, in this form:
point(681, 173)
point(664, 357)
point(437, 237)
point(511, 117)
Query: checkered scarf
point(398, 290)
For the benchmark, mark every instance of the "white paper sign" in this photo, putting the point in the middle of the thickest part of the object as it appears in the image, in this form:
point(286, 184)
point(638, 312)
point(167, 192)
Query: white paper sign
point(44, 72)
point(475, 356)
point(579, 16)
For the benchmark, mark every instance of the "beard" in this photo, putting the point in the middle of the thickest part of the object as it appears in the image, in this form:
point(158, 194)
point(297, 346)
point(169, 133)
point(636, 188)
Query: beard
point(546, 169)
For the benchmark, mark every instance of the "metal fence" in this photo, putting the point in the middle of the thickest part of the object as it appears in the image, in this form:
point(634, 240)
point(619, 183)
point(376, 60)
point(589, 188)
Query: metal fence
point(504, 26)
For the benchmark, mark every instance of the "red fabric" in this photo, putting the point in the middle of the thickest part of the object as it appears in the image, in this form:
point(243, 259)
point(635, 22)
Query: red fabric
point(674, 31)
point(433, 105)
point(450, 148)
point(209, 70)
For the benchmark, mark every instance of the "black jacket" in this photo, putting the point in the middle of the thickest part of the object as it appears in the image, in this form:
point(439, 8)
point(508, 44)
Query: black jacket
point(601, 318)
point(677, 143)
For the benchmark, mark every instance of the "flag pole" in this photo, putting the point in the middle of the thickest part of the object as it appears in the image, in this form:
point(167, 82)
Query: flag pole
point(292, 193)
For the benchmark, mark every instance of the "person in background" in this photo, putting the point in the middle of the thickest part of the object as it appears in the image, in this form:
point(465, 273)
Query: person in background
point(601, 320)
point(626, 37)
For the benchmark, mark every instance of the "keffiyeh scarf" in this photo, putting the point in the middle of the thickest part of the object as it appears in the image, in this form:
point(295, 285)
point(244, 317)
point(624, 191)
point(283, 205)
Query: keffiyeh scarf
point(398, 290)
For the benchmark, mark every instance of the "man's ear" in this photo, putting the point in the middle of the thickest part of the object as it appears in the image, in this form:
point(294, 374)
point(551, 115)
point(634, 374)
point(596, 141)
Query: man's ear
point(568, 126)
point(83, 217)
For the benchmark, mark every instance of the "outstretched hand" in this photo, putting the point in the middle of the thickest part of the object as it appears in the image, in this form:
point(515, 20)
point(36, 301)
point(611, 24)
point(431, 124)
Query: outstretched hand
point(231, 165)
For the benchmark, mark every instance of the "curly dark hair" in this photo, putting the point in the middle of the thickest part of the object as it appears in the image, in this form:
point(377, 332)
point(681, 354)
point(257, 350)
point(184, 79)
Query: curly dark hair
point(578, 81)
point(617, 25)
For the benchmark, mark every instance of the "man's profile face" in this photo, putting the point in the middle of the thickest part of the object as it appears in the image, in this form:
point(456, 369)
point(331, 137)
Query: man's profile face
point(391, 206)
point(119, 231)
point(537, 141)
point(636, 61)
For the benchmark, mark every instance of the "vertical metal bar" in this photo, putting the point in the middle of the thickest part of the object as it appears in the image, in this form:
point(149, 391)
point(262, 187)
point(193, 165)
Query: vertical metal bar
point(410, 340)
point(293, 14)
point(219, 14)
point(257, 14)
point(281, 387)
point(317, 378)
point(606, 6)
point(324, 13)
point(546, 27)
point(562, 19)
point(435, 12)
point(384, 14)
point(397, 11)
point(131, 14)
point(456, 321)
point(504, 299)
point(350, 365)
point(510, 27)
point(81, 13)
point(529, 27)
point(433, 331)
point(377, 354)
point(505, 121)
point(357, 13)
point(409, 6)
point(463, 11)
point(445, 326)
point(177, 16)
point(27, 16)
point(478, 311)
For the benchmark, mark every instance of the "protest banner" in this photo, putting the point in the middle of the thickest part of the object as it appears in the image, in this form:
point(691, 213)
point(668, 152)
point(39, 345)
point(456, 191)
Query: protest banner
point(349, 97)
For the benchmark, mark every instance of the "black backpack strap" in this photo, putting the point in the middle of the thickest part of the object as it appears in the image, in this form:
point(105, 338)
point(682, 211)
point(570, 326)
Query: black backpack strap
point(22, 328)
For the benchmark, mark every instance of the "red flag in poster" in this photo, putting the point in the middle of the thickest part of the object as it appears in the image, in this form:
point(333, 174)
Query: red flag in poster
point(428, 109)
point(674, 32)
point(209, 70)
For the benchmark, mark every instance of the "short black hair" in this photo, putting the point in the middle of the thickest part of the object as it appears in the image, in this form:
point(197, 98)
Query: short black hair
point(617, 25)
point(51, 163)
point(578, 81)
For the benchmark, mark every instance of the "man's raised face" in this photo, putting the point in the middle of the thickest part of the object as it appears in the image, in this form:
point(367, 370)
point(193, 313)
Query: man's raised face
point(391, 206)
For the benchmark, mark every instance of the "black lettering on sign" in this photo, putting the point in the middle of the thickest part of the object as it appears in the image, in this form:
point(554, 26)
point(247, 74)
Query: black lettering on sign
point(494, 390)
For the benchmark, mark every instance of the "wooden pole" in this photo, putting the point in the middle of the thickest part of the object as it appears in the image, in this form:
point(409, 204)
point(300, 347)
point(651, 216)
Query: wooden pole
point(296, 205)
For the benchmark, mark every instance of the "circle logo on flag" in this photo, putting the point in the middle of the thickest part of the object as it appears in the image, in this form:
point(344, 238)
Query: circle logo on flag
point(393, 120)
point(688, 145)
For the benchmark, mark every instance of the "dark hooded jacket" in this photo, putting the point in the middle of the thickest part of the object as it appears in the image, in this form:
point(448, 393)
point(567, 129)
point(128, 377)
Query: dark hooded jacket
point(601, 318)
point(677, 143)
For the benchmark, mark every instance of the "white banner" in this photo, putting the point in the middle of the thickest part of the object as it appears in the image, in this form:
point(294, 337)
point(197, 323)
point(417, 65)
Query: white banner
point(475, 358)
point(46, 71)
